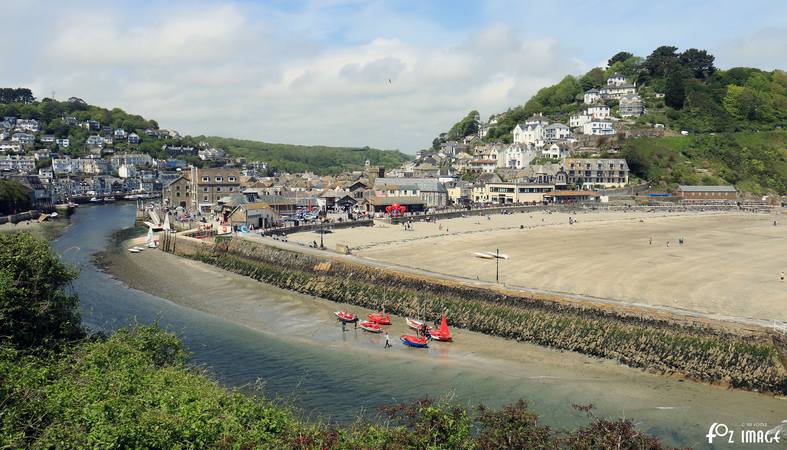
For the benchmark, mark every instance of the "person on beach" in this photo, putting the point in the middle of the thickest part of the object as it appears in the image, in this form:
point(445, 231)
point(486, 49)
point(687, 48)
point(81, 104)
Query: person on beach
point(781, 276)
point(355, 324)
point(387, 341)
point(344, 326)
point(650, 242)
point(667, 244)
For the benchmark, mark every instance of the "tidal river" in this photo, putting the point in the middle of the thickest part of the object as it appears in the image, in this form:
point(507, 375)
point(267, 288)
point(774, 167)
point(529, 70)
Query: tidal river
point(242, 331)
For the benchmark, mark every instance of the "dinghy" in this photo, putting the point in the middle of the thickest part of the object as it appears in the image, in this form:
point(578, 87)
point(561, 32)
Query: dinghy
point(413, 341)
point(344, 316)
point(371, 327)
point(415, 324)
point(134, 250)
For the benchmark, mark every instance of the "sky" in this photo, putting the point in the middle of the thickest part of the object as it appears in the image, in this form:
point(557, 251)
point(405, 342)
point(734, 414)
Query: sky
point(388, 74)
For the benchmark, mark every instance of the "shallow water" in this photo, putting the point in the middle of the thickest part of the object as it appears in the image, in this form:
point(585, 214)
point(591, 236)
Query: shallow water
point(337, 376)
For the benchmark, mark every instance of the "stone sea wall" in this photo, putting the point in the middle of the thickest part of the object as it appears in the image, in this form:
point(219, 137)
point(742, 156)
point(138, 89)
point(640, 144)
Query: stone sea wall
point(747, 361)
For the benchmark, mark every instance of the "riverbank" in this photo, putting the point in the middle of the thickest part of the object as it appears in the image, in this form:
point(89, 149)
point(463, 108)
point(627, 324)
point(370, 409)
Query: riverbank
point(748, 360)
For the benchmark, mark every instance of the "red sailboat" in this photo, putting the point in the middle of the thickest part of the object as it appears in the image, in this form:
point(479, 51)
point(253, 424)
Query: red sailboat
point(442, 333)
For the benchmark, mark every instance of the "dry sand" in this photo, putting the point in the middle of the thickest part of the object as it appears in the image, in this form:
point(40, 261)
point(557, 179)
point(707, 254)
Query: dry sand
point(729, 264)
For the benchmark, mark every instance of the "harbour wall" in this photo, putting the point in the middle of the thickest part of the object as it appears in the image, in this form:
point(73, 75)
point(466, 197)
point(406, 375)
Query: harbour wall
point(746, 360)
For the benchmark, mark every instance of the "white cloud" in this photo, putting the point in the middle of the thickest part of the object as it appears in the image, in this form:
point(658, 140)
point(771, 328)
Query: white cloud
point(220, 69)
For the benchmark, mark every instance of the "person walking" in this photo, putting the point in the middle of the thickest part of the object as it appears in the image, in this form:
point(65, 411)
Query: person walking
point(344, 326)
point(387, 341)
point(650, 242)
point(781, 276)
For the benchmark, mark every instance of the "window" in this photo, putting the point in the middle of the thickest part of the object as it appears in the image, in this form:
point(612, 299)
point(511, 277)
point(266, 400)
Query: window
point(204, 189)
point(177, 194)
point(218, 189)
point(206, 198)
point(230, 178)
point(219, 179)
point(205, 179)
point(232, 189)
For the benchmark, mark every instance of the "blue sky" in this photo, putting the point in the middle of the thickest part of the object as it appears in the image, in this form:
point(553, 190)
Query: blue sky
point(316, 72)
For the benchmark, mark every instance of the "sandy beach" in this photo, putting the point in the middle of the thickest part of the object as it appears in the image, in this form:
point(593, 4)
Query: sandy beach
point(729, 263)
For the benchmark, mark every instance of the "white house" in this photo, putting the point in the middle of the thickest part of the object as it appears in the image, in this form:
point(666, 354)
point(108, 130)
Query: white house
point(556, 151)
point(598, 127)
point(30, 125)
point(616, 79)
point(515, 156)
point(47, 139)
point(23, 138)
point(484, 165)
point(10, 148)
point(616, 91)
point(577, 120)
point(556, 132)
point(133, 138)
point(529, 134)
point(95, 140)
point(62, 143)
point(120, 134)
point(592, 96)
point(598, 111)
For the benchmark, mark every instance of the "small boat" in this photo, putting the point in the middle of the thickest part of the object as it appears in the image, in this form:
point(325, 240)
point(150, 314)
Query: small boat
point(134, 250)
point(96, 200)
point(344, 316)
point(443, 333)
point(109, 199)
point(150, 242)
point(380, 318)
point(415, 324)
point(483, 255)
point(371, 327)
point(53, 215)
point(413, 341)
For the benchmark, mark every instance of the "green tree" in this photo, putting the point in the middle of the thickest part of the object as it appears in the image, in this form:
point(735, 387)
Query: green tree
point(619, 57)
point(698, 62)
point(14, 196)
point(675, 92)
point(660, 60)
point(35, 309)
point(593, 79)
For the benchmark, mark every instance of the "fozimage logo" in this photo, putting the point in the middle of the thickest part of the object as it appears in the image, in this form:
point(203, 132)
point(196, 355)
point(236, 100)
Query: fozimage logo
point(747, 433)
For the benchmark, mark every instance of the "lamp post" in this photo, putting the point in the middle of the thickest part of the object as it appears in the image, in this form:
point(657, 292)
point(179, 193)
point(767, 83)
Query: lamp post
point(497, 266)
point(322, 233)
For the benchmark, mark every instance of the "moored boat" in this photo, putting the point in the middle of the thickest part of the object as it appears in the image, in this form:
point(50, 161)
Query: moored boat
point(380, 318)
point(415, 324)
point(344, 316)
point(442, 333)
point(370, 326)
point(414, 341)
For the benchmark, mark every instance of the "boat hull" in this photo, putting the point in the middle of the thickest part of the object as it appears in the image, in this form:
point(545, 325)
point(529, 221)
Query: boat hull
point(345, 317)
point(415, 342)
point(371, 327)
point(380, 319)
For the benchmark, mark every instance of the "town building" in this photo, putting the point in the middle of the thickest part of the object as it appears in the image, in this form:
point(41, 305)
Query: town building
point(430, 190)
point(631, 105)
point(705, 193)
point(592, 96)
point(511, 193)
point(598, 127)
point(606, 172)
point(209, 185)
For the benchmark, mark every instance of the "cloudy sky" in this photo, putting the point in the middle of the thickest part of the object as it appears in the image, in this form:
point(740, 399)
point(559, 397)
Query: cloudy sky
point(317, 72)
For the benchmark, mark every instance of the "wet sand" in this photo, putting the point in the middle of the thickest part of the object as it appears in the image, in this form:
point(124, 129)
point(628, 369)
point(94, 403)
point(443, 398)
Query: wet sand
point(729, 264)
point(552, 380)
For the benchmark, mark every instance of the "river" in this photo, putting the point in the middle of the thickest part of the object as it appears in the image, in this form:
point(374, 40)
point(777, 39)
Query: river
point(337, 376)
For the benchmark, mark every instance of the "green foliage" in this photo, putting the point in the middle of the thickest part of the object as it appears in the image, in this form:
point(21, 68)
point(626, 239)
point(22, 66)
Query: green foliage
point(593, 79)
point(18, 95)
point(300, 158)
point(465, 127)
point(14, 197)
point(619, 57)
point(698, 62)
point(35, 310)
point(753, 161)
point(675, 92)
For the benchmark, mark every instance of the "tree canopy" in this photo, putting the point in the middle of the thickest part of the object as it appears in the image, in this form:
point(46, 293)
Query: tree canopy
point(35, 309)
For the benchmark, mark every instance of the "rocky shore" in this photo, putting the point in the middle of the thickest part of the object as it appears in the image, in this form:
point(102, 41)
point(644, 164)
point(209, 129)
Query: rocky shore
point(746, 361)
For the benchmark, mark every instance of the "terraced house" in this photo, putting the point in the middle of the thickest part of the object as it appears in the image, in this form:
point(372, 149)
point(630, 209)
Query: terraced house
point(608, 172)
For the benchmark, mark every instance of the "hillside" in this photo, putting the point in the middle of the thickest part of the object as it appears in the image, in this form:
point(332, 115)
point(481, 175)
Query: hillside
point(722, 111)
point(299, 158)
point(61, 118)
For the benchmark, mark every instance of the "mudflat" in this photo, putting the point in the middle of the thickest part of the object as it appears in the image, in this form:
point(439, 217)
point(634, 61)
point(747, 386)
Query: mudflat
point(729, 263)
